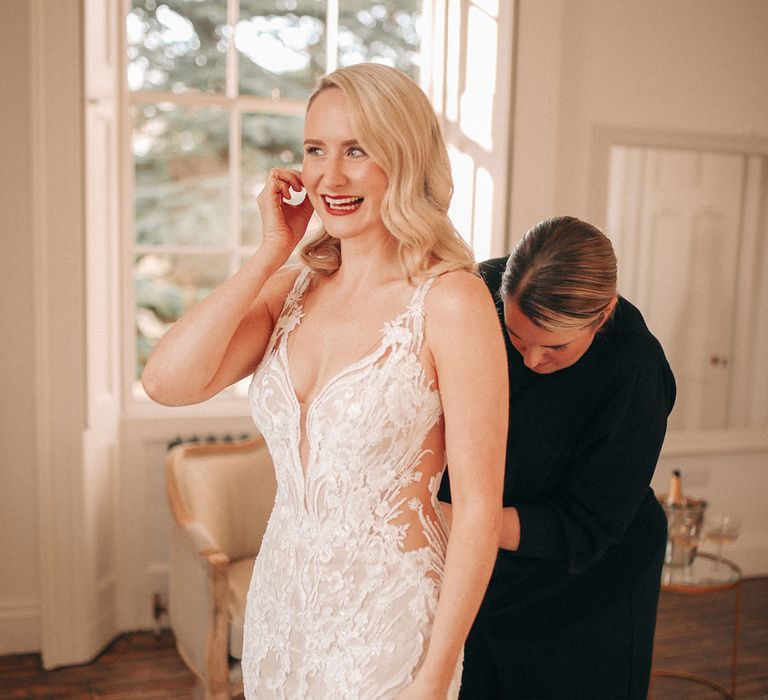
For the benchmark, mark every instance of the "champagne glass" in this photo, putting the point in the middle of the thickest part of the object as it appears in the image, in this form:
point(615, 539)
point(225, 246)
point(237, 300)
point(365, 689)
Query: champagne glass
point(685, 533)
point(721, 529)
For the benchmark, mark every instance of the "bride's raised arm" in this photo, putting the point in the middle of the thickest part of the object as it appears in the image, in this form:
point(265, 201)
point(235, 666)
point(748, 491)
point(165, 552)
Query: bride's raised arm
point(223, 338)
point(465, 341)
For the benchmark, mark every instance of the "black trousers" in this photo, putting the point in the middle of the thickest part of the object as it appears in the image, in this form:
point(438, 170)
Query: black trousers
point(601, 652)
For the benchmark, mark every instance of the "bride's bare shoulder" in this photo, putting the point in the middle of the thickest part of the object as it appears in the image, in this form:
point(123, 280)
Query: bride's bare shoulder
point(456, 294)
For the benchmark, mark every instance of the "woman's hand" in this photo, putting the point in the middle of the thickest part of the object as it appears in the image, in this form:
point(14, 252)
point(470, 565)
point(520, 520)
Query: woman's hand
point(283, 224)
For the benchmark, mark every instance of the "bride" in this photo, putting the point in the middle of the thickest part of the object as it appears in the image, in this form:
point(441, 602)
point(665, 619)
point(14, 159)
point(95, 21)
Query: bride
point(374, 362)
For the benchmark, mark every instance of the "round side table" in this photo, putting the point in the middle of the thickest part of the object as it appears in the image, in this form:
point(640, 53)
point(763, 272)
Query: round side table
point(707, 574)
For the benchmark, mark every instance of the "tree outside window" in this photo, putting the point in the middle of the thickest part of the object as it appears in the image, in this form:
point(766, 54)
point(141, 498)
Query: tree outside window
point(218, 90)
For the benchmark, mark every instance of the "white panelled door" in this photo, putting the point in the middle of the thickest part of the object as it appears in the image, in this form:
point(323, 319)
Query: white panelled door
point(676, 220)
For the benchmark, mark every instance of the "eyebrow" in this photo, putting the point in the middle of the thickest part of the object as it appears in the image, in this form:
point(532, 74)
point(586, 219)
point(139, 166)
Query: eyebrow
point(319, 142)
point(558, 345)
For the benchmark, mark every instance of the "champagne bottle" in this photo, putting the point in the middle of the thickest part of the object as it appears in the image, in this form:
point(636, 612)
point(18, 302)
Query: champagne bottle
point(675, 494)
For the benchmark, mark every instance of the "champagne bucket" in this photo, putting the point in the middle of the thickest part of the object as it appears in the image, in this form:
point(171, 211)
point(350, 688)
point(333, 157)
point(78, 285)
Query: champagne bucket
point(689, 514)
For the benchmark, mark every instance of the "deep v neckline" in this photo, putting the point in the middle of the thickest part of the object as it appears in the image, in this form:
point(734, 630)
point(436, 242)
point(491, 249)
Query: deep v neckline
point(371, 356)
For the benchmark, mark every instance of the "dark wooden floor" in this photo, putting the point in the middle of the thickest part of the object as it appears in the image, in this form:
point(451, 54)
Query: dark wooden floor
point(693, 634)
point(136, 665)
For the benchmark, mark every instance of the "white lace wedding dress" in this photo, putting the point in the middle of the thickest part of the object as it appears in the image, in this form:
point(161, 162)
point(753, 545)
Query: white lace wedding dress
point(345, 587)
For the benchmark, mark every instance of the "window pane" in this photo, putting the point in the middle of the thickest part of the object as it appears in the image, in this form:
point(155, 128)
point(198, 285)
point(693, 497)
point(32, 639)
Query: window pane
point(181, 163)
point(281, 46)
point(269, 140)
point(165, 287)
point(386, 32)
point(177, 45)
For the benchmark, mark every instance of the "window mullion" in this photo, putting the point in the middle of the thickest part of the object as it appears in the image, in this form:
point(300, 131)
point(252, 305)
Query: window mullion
point(235, 140)
point(235, 178)
point(178, 249)
point(232, 78)
point(201, 99)
point(331, 35)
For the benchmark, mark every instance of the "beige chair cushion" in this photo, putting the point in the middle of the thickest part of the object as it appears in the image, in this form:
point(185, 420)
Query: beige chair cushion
point(231, 495)
point(239, 580)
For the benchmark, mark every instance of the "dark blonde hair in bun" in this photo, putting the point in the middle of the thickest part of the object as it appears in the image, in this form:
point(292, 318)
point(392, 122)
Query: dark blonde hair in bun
point(562, 275)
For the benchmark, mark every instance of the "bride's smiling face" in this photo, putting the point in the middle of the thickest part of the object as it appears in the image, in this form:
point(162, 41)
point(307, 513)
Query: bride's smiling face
point(344, 184)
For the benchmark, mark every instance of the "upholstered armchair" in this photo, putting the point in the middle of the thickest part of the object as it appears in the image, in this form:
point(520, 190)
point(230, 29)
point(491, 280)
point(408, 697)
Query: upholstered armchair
point(220, 496)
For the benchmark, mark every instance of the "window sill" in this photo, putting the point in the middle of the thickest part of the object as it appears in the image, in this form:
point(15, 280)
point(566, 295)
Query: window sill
point(139, 408)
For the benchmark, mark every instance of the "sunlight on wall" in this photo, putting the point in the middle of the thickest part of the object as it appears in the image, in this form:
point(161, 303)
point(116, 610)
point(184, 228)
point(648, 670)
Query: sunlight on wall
point(483, 219)
point(460, 210)
point(453, 61)
point(432, 74)
point(466, 93)
point(477, 100)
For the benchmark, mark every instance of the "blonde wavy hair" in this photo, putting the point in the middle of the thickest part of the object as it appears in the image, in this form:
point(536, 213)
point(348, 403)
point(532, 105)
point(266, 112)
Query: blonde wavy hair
point(397, 127)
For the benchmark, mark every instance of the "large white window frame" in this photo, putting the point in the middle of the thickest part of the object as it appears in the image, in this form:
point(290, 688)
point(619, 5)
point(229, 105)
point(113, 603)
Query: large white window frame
point(452, 44)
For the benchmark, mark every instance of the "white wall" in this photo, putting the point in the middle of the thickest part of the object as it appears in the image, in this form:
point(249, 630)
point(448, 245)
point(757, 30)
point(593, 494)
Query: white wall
point(19, 572)
point(696, 66)
point(684, 65)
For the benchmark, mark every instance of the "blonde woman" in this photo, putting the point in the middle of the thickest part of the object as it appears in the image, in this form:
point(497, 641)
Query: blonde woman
point(372, 363)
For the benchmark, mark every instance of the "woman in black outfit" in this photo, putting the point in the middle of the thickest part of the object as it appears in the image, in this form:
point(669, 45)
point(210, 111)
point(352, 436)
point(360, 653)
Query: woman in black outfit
point(571, 607)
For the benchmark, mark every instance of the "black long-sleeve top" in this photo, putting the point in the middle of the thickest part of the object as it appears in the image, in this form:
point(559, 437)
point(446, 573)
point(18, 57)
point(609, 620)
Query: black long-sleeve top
point(582, 447)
